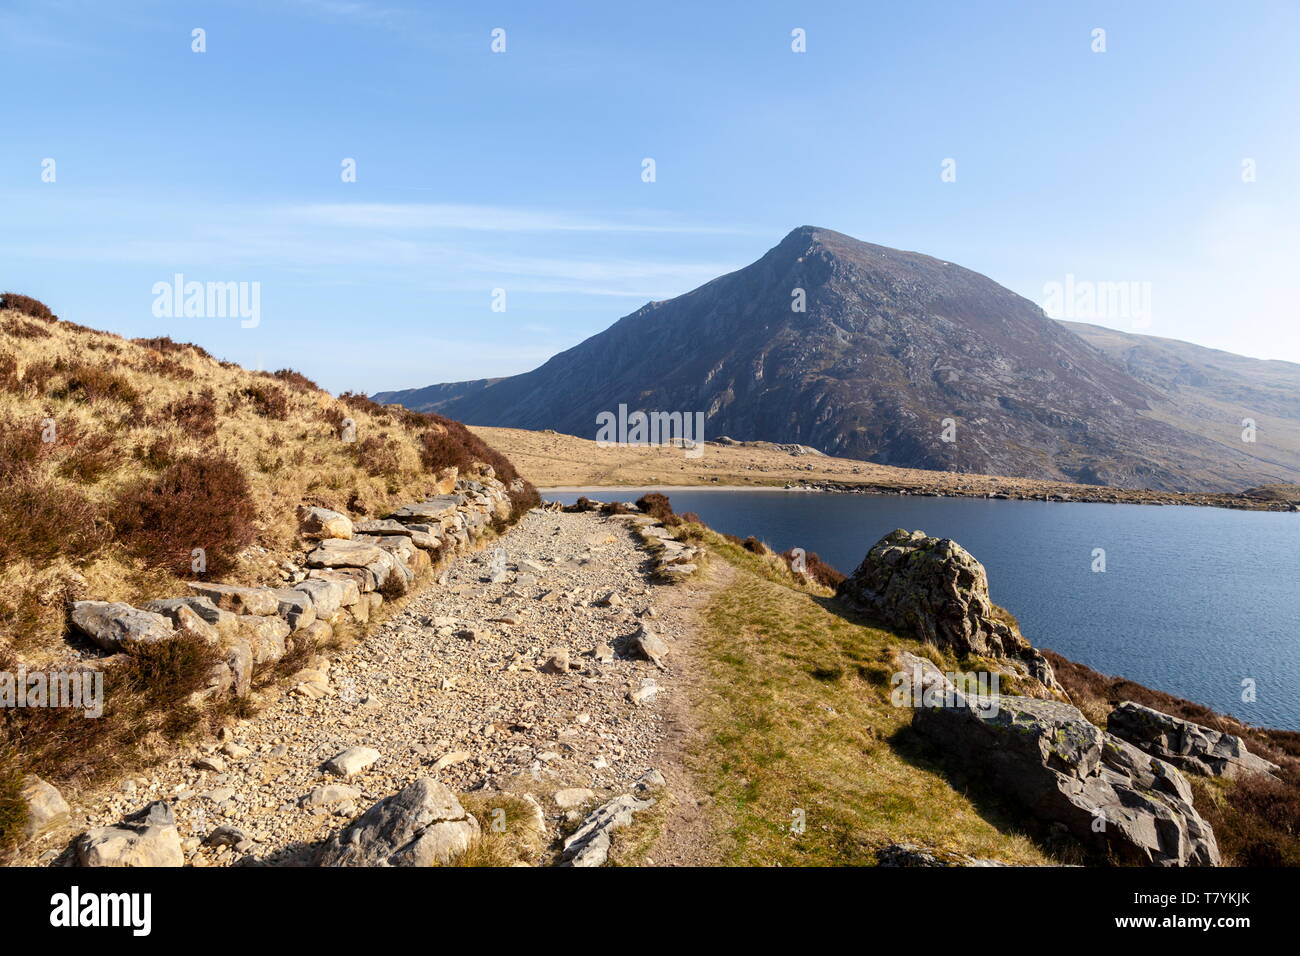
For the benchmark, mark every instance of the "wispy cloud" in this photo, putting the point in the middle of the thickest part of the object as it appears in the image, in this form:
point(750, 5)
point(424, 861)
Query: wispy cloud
point(442, 216)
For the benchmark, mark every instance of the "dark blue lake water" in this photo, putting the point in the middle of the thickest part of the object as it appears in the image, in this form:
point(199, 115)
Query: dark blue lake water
point(1193, 601)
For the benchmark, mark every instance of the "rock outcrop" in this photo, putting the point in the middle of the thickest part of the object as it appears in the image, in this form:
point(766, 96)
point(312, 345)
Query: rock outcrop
point(113, 626)
point(1184, 744)
point(147, 838)
point(934, 589)
point(46, 807)
point(589, 845)
point(422, 825)
point(1043, 754)
point(910, 855)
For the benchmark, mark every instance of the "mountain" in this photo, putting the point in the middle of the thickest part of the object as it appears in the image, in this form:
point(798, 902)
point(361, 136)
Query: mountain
point(889, 346)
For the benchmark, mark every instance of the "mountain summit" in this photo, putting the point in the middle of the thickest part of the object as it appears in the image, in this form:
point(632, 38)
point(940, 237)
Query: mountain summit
point(874, 353)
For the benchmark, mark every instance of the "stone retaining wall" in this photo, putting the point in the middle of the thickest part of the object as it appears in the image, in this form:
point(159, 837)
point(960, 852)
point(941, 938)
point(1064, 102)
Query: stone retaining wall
point(346, 571)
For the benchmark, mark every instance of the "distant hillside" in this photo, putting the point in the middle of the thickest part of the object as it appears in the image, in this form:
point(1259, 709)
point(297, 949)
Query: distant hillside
point(118, 458)
point(891, 343)
point(434, 397)
point(1211, 392)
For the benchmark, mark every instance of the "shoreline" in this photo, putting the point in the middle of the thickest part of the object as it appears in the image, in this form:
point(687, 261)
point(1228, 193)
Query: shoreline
point(1103, 495)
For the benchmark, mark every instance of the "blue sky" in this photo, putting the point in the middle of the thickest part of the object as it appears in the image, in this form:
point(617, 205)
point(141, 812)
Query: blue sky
point(522, 170)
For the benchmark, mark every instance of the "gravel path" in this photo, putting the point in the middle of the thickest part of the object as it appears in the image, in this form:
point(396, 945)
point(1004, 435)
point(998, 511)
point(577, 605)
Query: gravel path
point(466, 683)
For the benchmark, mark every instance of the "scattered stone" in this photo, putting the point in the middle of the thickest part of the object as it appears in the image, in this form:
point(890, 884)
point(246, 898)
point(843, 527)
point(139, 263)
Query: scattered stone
point(450, 759)
point(226, 835)
point(573, 798)
point(557, 661)
point(351, 761)
point(649, 646)
point(331, 794)
point(147, 838)
point(319, 523)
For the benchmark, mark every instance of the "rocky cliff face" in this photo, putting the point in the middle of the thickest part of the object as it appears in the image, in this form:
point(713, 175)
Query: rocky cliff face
point(933, 589)
point(888, 346)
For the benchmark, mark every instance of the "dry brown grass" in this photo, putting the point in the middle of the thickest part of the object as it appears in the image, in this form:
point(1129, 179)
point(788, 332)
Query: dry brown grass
point(119, 458)
point(508, 833)
point(145, 431)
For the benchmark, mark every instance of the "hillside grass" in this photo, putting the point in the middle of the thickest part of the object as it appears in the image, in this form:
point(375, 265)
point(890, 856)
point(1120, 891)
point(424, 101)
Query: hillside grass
point(796, 716)
point(119, 458)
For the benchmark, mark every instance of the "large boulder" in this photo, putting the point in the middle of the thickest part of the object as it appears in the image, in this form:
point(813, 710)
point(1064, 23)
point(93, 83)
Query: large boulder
point(222, 620)
point(186, 620)
point(1045, 756)
point(429, 511)
point(382, 526)
point(236, 599)
point(423, 825)
point(320, 523)
point(1196, 749)
point(147, 838)
point(295, 607)
point(112, 625)
point(326, 596)
point(264, 635)
point(46, 807)
point(337, 553)
point(934, 589)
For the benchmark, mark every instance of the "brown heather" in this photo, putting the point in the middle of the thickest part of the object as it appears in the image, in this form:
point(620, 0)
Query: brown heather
point(160, 449)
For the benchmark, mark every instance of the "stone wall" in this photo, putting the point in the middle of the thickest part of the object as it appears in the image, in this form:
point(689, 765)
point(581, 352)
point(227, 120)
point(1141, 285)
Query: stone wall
point(346, 571)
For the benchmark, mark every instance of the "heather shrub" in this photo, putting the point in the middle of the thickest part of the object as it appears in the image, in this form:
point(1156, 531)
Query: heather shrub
point(27, 306)
point(197, 502)
point(817, 569)
point(80, 382)
point(378, 455)
point(44, 519)
point(146, 698)
point(196, 414)
point(295, 379)
point(165, 345)
point(267, 401)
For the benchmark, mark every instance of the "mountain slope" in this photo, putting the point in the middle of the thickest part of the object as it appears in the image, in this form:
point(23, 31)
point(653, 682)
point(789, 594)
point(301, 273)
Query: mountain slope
point(891, 344)
point(1211, 392)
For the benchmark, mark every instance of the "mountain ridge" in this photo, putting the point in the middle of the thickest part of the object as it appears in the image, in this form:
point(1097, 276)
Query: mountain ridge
point(890, 347)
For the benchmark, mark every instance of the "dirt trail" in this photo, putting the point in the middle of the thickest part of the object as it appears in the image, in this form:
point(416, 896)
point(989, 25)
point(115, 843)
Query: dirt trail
point(457, 685)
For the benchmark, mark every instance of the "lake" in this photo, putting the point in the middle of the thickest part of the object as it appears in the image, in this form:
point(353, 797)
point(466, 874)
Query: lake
point(1193, 601)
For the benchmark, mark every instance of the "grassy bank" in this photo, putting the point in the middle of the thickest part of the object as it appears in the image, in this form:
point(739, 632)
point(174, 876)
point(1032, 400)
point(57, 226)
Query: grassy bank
point(798, 725)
